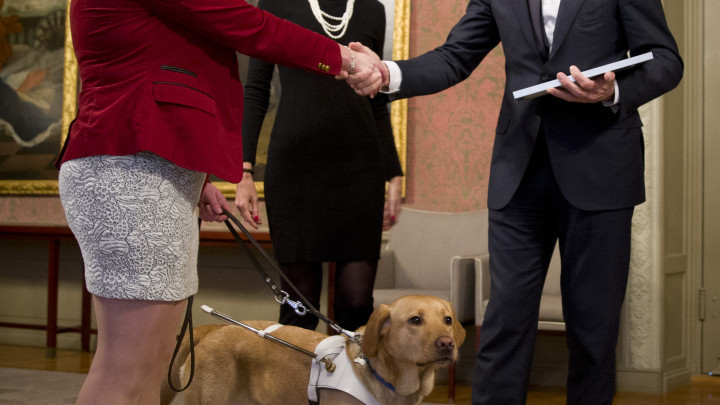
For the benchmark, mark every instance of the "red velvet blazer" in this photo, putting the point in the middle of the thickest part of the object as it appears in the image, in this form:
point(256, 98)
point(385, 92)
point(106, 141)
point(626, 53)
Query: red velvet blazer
point(162, 76)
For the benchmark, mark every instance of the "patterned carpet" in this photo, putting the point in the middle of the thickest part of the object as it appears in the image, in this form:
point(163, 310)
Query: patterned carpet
point(36, 387)
point(20, 386)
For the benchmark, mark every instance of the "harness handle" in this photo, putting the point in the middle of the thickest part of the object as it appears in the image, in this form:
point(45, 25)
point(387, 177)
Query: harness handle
point(329, 365)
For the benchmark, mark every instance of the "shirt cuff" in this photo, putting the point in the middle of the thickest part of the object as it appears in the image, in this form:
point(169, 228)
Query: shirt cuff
point(395, 77)
point(616, 100)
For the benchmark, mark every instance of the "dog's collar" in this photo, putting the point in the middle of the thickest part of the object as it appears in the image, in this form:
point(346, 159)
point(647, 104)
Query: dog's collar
point(362, 360)
point(379, 378)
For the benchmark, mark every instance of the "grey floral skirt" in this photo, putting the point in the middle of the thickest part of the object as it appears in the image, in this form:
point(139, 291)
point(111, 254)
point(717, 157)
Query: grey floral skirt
point(134, 219)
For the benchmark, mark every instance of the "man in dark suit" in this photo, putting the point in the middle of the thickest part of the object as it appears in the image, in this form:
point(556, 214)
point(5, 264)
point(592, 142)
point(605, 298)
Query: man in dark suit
point(566, 166)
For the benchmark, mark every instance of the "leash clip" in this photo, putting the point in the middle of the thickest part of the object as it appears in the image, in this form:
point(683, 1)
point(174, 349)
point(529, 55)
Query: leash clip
point(297, 306)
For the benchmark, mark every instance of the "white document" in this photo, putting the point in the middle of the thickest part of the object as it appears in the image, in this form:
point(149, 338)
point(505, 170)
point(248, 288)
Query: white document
point(540, 89)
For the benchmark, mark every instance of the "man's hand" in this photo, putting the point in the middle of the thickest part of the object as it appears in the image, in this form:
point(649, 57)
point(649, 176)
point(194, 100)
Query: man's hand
point(373, 75)
point(212, 202)
point(584, 90)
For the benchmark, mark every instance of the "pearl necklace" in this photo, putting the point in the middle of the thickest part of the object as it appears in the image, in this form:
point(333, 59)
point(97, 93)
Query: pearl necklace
point(332, 29)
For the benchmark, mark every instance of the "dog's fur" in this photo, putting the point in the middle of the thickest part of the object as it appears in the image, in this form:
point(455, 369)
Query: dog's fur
point(405, 342)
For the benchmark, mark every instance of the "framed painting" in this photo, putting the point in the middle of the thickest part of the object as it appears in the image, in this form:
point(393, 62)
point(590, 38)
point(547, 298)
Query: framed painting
point(32, 74)
point(34, 70)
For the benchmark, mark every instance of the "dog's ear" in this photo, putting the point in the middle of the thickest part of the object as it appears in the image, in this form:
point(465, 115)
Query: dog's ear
point(458, 331)
point(373, 330)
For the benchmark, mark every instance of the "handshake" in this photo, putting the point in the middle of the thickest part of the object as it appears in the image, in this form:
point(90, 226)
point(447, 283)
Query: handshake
point(363, 70)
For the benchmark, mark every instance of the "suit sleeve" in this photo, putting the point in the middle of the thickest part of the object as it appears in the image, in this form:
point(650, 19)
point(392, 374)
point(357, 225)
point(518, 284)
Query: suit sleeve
point(470, 40)
point(647, 31)
point(257, 33)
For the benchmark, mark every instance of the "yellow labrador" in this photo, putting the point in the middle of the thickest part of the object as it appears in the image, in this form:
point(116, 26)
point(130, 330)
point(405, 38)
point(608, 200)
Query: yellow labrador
point(404, 343)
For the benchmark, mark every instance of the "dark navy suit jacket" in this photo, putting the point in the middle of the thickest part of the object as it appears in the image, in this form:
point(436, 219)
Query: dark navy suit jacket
point(596, 152)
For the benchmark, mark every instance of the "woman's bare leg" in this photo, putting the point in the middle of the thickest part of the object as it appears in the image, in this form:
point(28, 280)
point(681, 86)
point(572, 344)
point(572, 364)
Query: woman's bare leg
point(135, 343)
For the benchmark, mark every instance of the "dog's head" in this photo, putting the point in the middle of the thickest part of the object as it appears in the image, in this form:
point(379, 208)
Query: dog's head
point(417, 329)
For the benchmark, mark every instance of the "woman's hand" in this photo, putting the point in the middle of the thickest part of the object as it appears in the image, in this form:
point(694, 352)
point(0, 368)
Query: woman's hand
point(246, 201)
point(212, 203)
point(393, 202)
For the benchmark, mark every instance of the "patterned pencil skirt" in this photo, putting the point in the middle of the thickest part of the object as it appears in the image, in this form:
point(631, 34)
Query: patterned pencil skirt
point(134, 219)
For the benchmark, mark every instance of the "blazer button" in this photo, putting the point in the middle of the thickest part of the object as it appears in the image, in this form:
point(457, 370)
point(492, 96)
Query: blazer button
point(544, 76)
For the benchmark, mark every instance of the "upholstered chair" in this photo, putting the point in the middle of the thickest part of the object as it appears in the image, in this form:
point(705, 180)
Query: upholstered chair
point(550, 318)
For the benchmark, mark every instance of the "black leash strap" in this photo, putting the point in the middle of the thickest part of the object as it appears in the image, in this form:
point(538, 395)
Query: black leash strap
point(187, 326)
point(280, 296)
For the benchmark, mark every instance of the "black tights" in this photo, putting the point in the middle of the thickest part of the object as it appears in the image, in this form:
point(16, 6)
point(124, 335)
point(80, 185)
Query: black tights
point(354, 283)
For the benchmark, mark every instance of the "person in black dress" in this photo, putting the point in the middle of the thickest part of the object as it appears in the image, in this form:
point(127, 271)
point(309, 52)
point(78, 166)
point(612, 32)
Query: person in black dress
point(330, 154)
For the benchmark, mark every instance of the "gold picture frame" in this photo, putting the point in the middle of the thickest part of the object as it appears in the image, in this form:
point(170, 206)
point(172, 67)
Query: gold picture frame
point(40, 23)
point(400, 50)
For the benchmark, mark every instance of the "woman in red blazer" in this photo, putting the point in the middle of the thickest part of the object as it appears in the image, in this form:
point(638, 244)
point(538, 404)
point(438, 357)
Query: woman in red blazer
point(160, 109)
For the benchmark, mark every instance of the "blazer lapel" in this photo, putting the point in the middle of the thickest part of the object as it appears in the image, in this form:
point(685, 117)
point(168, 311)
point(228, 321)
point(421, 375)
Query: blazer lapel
point(566, 16)
point(522, 12)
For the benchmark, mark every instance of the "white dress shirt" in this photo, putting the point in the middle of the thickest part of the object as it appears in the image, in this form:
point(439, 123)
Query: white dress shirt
point(550, 11)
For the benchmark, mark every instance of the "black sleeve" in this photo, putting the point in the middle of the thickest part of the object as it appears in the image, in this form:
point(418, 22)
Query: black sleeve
point(257, 99)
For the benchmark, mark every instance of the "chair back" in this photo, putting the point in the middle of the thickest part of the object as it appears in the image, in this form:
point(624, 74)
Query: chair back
point(552, 280)
point(424, 242)
point(551, 315)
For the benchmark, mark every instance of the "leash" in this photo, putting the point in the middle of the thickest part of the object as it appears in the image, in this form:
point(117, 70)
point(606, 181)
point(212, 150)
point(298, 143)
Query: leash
point(187, 325)
point(302, 306)
point(282, 297)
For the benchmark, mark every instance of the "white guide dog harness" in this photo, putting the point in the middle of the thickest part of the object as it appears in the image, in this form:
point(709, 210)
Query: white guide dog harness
point(343, 378)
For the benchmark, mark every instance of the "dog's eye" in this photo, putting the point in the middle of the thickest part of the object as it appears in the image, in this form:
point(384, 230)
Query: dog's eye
point(448, 320)
point(415, 320)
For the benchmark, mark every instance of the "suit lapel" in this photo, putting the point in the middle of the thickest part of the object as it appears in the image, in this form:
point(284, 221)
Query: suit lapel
point(522, 12)
point(566, 16)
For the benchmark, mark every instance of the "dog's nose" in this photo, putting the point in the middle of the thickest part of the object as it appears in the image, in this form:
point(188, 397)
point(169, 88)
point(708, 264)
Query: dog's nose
point(445, 343)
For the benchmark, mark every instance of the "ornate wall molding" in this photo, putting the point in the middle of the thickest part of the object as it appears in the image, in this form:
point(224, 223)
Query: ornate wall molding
point(640, 321)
